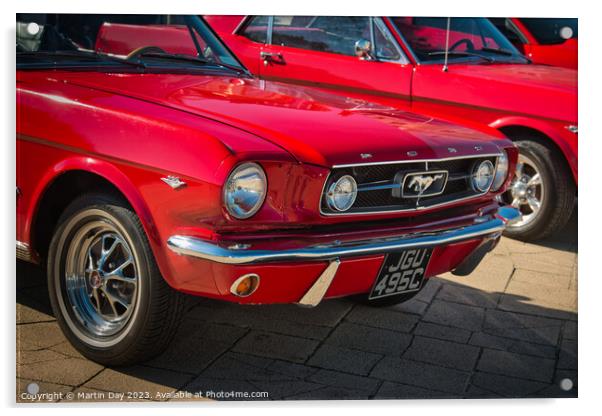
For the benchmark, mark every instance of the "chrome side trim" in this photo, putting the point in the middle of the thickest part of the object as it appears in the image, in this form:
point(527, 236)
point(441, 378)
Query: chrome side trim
point(316, 293)
point(208, 250)
point(25, 253)
point(392, 162)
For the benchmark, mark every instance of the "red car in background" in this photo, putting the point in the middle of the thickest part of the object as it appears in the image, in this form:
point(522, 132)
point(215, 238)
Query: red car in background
point(461, 69)
point(151, 162)
point(549, 41)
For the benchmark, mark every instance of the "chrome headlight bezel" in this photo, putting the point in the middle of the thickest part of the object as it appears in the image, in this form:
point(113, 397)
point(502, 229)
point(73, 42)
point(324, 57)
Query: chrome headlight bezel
point(331, 194)
point(233, 207)
point(501, 171)
point(476, 175)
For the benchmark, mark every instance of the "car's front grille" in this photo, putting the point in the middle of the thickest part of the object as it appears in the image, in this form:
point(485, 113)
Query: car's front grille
point(379, 184)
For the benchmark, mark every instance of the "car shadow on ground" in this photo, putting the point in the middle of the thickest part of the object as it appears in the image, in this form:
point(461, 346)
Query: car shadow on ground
point(483, 336)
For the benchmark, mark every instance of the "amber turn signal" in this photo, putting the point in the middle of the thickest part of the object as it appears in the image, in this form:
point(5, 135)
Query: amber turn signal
point(245, 285)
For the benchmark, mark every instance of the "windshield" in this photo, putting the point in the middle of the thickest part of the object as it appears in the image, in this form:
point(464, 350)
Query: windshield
point(470, 38)
point(117, 40)
point(547, 31)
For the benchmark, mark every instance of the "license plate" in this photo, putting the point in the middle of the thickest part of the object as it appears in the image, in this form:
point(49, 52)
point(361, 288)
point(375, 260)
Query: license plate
point(401, 272)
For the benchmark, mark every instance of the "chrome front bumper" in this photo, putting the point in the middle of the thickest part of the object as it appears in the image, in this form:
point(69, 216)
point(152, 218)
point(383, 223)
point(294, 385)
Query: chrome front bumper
point(195, 247)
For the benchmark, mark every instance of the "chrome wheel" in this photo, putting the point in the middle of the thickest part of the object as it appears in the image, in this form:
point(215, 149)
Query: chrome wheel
point(101, 281)
point(526, 192)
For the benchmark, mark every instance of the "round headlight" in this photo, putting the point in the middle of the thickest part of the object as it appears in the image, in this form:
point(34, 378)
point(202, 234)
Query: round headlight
point(245, 190)
point(501, 172)
point(482, 176)
point(341, 194)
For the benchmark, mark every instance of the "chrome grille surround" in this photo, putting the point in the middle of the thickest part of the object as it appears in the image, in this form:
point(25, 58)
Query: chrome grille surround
point(376, 183)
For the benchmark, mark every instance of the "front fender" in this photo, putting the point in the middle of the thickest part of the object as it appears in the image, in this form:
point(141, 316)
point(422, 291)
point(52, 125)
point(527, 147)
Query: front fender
point(556, 131)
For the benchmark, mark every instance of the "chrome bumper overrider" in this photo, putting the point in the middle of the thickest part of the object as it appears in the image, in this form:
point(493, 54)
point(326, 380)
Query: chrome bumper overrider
point(195, 247)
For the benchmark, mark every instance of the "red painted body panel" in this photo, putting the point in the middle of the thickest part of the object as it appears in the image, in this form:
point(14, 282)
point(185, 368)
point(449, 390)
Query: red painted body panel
point(563, 54)
point(533, 97)
point(134, 129)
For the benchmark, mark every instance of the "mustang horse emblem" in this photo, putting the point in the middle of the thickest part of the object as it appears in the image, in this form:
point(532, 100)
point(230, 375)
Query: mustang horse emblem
point(421, 183)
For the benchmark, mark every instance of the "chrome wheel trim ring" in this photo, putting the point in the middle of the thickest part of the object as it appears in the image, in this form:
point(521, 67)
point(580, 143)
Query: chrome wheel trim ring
point(527, 191)
point(74, 279)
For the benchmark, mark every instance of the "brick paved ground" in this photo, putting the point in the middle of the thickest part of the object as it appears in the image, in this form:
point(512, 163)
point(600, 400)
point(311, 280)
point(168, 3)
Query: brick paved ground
point(507, 330)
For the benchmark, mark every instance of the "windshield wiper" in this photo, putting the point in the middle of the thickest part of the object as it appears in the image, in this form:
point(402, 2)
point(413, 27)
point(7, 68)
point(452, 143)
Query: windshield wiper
point(504, 52)
point(462, 53)
point(192, 59)
point(81, 55)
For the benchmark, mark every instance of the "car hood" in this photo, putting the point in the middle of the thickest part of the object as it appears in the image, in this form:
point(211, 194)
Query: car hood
point(314, 126)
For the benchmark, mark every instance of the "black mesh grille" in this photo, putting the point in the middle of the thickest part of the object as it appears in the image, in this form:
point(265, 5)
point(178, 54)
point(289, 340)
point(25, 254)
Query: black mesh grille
point(458, 184)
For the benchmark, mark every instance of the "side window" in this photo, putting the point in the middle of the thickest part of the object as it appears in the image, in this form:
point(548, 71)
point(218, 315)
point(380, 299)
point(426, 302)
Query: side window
point(507, 29)
point(333, 34)
point(257, 29)
point(384, 44)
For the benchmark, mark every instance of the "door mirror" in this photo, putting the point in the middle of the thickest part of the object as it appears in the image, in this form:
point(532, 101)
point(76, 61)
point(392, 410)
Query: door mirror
point(565, 32)
point(363, 49)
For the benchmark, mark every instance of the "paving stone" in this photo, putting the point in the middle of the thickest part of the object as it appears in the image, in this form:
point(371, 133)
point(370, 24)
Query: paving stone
point(474, 392)
point(138, 379)
point(50, 391)
point(558, 281)
point(569, 330)
point(448, 333)
point(429, 291)
point(30, 311)
point(506, 386)
point(455, 314)
point(542, 300)
point(187, 357)
point(567, 359)
point(275, 346)
point(285, 319)
point(421, 374)
point(506, 344)
point(196, 345)
point(293, 370)
point(334, 378)
point(524, 327)
point(412, 306)
point(67, 349)
point(390, 390)
point(468, 295)
point(491, 276)
point(555, 389)
point(66, 371)
point(39, 335)
point(549, 262)
point(444, 353)
point(344, 359)
point(516, 365)
point(235, 366)
point(194, 330)
point(38, 356)
point(374, 340)
point(382, 318)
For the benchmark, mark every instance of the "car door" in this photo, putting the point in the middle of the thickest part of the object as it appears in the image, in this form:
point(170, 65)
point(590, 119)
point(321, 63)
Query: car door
point(320, 51)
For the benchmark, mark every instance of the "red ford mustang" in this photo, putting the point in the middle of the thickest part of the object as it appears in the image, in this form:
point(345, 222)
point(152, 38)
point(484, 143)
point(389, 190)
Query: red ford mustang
point(549, 41)
point(149, 162)
point(401, 61)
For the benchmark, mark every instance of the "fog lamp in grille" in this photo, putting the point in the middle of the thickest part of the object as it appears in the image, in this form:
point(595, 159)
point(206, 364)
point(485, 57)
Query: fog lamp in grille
point(482, 176)
point(342, 193)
